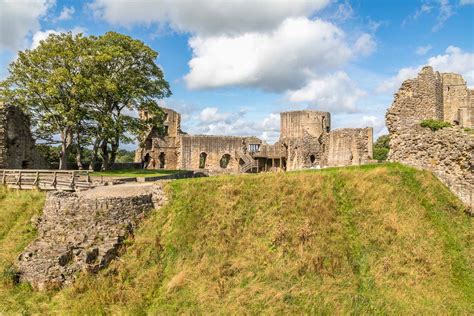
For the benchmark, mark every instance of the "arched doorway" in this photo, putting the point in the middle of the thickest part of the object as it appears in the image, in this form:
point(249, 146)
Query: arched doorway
point(202, 160)
point(224, 161)
point(162, 160)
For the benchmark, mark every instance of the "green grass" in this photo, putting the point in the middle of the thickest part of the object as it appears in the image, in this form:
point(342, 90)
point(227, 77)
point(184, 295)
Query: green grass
point(132, 173)
point(377, 239)
point(435, 125)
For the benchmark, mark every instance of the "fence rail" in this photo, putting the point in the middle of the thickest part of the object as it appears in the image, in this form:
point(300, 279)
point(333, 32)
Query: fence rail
point(65, 180)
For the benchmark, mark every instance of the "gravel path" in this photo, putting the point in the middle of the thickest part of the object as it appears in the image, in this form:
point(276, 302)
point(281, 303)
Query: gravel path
point(120, 190)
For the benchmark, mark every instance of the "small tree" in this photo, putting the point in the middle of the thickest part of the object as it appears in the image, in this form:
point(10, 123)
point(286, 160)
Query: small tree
point(381, 148)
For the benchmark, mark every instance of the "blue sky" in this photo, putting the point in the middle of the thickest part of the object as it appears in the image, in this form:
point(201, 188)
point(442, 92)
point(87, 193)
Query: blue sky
point(233, 65)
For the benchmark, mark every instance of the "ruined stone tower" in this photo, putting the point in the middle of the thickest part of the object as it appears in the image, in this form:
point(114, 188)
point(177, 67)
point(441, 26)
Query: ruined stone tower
point(17, 146)
point(448, 152)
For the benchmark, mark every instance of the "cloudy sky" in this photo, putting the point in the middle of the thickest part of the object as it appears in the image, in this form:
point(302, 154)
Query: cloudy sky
point(233, 65)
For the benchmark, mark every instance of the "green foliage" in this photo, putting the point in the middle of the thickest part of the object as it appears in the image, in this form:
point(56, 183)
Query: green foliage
point(435, 125)
point(381, 148)
point(380, 153)
point(375, 239)
point(124, 155)
point(85, 89)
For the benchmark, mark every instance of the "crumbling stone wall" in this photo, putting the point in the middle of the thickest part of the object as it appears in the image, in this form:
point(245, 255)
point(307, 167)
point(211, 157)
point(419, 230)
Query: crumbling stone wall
point(303, 143)
point(162, 145)
point(17, 146)
point(83, 232)
point(214, 147)
point(350, 146)
point(448, 152)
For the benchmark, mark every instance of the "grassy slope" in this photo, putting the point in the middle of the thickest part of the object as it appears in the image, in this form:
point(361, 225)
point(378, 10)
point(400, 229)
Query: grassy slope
point(384, 239)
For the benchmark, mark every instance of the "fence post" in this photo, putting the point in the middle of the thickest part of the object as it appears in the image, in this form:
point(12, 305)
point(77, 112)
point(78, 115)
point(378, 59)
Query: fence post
point(4, 177)
point(73, 180)
point(55, 180)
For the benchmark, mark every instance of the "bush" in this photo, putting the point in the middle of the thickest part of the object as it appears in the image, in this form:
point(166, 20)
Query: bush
point(380, 153)
point(381, 148)
point(435, 125)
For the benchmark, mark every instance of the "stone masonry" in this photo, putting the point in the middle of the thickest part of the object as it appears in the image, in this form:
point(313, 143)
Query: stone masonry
point(306, 141)
point(449, 152)
point(84, 231)
point(17, 146)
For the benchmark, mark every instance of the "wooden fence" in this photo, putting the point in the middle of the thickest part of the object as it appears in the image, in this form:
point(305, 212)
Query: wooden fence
point(65, 180)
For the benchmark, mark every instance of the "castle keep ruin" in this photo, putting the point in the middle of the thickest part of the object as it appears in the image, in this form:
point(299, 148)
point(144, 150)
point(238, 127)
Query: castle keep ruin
point(306, 141)
point(449, 152)
point(17, 146)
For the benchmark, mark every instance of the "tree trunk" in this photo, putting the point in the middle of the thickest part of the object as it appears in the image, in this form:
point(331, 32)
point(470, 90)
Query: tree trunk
point(79, 153)
point(114, 150)
point(66, 140)
point(105, 155)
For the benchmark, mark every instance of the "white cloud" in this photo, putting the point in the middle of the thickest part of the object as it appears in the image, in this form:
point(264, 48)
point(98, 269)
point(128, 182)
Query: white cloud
point(18, 19)
point(445, 12)
point(212, 121)
point(422, 50)
point(206, 17)
point(212, 115)
point(453, 60)
point(276, 61)
point(66, 14)
point(42, 35)
point(365, 45)
point(465, 2)
point(335, 93)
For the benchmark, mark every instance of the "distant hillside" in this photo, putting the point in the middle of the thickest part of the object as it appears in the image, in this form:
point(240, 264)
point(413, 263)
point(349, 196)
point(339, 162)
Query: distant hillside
point(371, 239)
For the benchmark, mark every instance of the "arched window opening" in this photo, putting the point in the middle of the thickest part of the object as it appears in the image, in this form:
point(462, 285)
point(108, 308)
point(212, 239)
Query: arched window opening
point(202, 160)
point(312, 158)
point(225, 161)
point(162, 160)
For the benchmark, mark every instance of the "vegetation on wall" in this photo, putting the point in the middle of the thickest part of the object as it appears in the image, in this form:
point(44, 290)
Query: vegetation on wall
point(85, 89)
point(435, 125)
point(376, 239)
point(381, 148)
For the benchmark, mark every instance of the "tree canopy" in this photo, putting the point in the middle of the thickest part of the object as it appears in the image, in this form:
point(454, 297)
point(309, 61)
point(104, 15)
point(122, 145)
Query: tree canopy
point(88, 91)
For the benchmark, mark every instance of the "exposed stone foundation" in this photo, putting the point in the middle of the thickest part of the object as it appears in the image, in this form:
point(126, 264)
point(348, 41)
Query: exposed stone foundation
point(83, 232)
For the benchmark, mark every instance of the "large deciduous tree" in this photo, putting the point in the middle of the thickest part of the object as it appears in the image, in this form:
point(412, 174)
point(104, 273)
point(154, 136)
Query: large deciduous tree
point(88, 91)
point(125, 80)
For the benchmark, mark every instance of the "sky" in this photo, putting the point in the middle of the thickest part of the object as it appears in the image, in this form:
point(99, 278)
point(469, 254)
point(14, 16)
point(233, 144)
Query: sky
point(234, 65)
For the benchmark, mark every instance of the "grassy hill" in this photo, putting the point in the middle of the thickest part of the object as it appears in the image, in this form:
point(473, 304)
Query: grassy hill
point(372, 239)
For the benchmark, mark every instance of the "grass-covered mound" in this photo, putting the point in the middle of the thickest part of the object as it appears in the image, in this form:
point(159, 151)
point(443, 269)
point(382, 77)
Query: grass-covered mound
point(373, 239)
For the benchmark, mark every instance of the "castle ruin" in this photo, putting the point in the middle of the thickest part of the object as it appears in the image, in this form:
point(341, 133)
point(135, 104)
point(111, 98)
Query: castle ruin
point(17, 146)
point(448, 152)
point(306, 141)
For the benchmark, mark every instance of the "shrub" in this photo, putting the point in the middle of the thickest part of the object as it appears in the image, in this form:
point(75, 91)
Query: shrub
point(381, 148)
point(435, 125)
point(380, 153)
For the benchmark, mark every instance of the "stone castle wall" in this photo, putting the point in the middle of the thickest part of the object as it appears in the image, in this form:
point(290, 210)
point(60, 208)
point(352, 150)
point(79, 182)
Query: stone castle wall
point(303, 143)
point(349, 146)
point(448, 152)
point(214, 147)
point(17, 146)
point(298, 124)
point(83, 232)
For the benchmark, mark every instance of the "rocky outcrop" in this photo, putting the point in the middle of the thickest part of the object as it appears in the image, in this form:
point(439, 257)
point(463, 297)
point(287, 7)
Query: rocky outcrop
point(84, 231)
